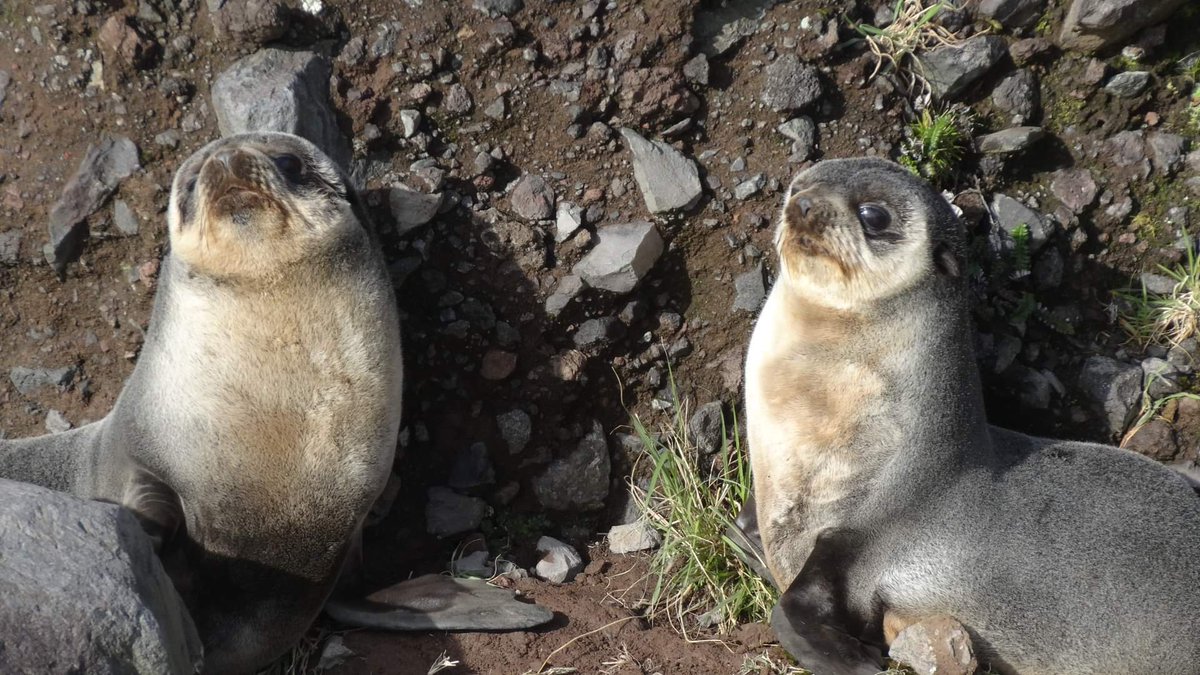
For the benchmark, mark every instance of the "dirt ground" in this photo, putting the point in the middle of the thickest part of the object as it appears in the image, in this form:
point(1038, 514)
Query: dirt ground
point(66, 89)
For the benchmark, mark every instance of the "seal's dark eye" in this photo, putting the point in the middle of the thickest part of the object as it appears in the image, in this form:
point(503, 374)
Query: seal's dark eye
point(289, 165)
point(875, 219)
point(191, 186)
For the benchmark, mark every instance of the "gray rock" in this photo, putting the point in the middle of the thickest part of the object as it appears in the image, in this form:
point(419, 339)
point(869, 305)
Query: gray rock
point(254, 22)
point(935, 646)
point(950, 69)
point(410, 122)
point(84, 591)
point(633, 537)
point(559, 562)
point(568, 219)
point(1128, 84)
point(457, 100)
point(499, 7)
point(1092, 25)
point(56, 422)
point(532, 198)
point(5, 78)
point(497, 109)
point(803, 134)
point(622, 256)
point(578, 481)
point(10, 247)
point(1019, 95)
point(750, 290)
point(1012, 13)
point(599, 332)
point(448, 512)
point(719, 28)
point(1011, 214)
point(29, 380)
point(1114, 387)
point(335, 654)
point(668, 180)
point(706, 428)
point(1048, 269)
point(1157, 283)
point(168, 139)
point(1008, 141)
point(1166, 151)
point(280, 90)
point(515, 428)
point(412, 209)
point(1075, 188)
point(569, 287)
point(790, 84)
point(124, 218)
point(104, 166)
point(696, 70)
point(1161, 377)
point(1033, 388)
point(472, 468)
point(750, 187)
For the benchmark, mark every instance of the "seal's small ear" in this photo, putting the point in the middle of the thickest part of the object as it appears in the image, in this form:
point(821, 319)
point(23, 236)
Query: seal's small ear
point(945, 261)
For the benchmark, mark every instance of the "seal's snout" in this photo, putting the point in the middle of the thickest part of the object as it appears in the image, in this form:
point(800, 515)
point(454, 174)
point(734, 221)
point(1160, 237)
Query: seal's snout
point(802, 215)
point(232, 171)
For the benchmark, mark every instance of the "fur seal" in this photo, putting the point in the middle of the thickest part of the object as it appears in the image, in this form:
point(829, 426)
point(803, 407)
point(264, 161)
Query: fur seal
point(260, 422)
point(885, 498)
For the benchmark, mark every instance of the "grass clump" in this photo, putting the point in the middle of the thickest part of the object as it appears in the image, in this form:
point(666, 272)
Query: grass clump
point(697, 568)
point(1150, 318)
point(912, 30)
point(935, 142)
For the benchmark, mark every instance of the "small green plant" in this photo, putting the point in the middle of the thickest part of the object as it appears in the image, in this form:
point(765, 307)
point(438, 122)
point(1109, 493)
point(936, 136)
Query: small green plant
point(1020, 251)
point(935, 143)
point(1150, 318)
point(1044, 25)
point(911, 31)
point(697, 569)
point(1193, 110)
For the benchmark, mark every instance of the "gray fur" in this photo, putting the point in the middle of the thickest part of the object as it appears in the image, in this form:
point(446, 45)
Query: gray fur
point(1059, 557)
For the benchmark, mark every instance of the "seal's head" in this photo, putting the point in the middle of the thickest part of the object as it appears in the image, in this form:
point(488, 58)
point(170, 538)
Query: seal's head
point(247, 206)
point(856, 231)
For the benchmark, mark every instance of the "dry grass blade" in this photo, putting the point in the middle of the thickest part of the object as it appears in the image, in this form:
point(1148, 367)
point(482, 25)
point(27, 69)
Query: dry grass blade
point(443, 662)
point(913, 30)
point(1152, 318)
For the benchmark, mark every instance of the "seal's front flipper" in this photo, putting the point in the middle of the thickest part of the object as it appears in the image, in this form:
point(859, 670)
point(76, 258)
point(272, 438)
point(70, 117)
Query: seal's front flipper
point(747, 541)
point(813, 620)
point(55, 461)
point(436, 602)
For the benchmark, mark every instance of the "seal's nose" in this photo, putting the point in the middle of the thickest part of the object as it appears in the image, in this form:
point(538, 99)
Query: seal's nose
point(225, 157)
point(804, 204)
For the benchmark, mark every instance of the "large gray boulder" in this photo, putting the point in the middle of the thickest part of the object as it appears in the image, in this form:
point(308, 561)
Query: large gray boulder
point(1092, 25)
point(82, 591)
point(280, 90)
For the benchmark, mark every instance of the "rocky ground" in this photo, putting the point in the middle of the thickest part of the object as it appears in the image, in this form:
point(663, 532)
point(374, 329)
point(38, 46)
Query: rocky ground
point(576, 201)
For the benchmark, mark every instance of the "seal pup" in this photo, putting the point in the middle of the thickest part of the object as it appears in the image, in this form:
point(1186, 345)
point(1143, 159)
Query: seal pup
point(259, 424)
point(883, 496)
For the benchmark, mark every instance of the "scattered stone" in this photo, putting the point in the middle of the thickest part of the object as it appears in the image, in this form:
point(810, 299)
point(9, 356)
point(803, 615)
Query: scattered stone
point(559, 562)
point(578, 481)
point(951, 68)
point(124, 219)
point(721, 27)
point(472, 468)
point(497, 109)
point(499, 7)
point(1155, 439)
point(706, 428)
point(120, 39)
point(935, 646)
point(101, 602)
point(448, 513)
point(29, 380)
point(515, 428)
point(1048, 269)
point(5, 78)
point(1008, 141)
point(568, 219)
point(1029, 50)
point(1011, 214)
point(803, 134)
point(599, 332)
point(696, 70)
point(254, 22)
point(532, 198)
point(410, 122)
point(412, 209)
point(1092, 25)
point(656, 96)
point(334, 655)
point(1075, 188)
point(1019, 95)
point(1032, 386)
point(10, 247)
point(498, 364)
point(1161, 378)
point(1166, 151)
point(750, 290)
point(623, 255)
point(790, 84)
point(56, 422)
point(668, 180)
point(750, 187)
point(168, 139)
point(633, 537)
point(1114, 387)
point(1012, 13)
point(1128, 84)
point(280, 90)
point(103, 168)
point(569, 287)
point(457, 100)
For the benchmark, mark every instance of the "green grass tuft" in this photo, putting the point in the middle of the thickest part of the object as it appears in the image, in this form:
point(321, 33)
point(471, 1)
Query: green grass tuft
point(935, 144)
point(912, 30)
point(1148, 318)
point(697, 570)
